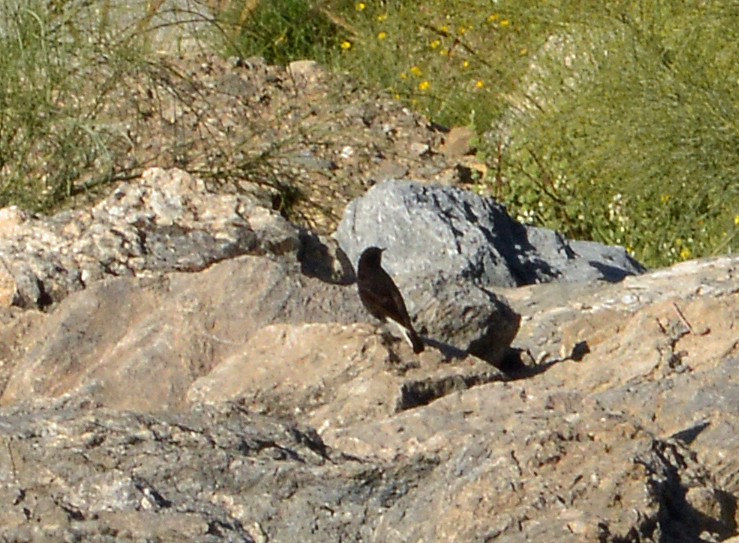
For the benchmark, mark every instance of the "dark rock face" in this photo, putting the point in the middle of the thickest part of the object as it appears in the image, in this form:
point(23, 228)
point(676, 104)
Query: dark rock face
point(213, 474)
point(430, 230)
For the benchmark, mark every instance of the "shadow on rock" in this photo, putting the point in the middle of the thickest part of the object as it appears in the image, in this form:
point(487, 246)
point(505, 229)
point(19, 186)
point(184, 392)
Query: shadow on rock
point(323, 259)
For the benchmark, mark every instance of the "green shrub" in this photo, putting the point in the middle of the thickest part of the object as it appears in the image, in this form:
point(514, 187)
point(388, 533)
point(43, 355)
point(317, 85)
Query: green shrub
point(629, 132)
point(279, 30)
point(451, 61)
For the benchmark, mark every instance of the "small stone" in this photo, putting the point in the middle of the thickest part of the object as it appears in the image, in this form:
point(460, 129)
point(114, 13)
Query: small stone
point(419, 149)
point(458, 142)
point(304, 69)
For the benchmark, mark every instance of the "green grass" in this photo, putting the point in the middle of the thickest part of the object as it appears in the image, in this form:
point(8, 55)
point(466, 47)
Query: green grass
point(55, 78)
point(635, 142)
point(279, 31)
point(40, 124)
point(612, 121)
point(86, 100)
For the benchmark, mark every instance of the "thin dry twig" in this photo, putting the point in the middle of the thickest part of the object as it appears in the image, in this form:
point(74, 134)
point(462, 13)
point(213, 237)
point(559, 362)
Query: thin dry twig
point(682, 318)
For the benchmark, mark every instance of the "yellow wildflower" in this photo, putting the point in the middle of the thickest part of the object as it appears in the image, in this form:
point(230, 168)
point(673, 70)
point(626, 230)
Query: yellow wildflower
point(346, 45)
point(382, 18)
point(504, 23)
point(424, 86)
point(480, 84)
point(736, 220)
point(403, 75)
point(685, 253)
point(382, 36)
point(415, 70)
point(494, 17)
point(434, 44)
point(360, 6)
point(466, 64)
point(664, 198)
point(462, 30)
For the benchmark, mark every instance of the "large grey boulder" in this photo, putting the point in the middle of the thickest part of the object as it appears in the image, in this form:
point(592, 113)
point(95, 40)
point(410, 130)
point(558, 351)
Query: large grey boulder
point(430, 230)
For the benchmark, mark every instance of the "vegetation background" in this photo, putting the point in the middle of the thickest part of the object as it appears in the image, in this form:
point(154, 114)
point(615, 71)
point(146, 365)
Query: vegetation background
point(613, 121)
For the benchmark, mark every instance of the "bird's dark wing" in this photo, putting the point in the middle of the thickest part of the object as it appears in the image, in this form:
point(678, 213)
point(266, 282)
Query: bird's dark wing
point(400, 312)
point(375, 302)
point(383, 299)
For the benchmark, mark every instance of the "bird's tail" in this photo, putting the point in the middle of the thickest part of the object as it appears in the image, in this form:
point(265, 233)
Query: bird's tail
point(410, 335)
point(416, 341)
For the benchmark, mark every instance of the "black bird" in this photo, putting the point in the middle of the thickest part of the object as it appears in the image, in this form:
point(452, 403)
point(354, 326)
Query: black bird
point(381, 297)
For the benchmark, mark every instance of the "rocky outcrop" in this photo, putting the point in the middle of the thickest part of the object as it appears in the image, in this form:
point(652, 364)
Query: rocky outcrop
point(221, 474)
point(156, 335)
point(169, 221)
point(158, 315)
point(166, 222)
point(319, 374)
point(324, 431)
point(250, 400)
